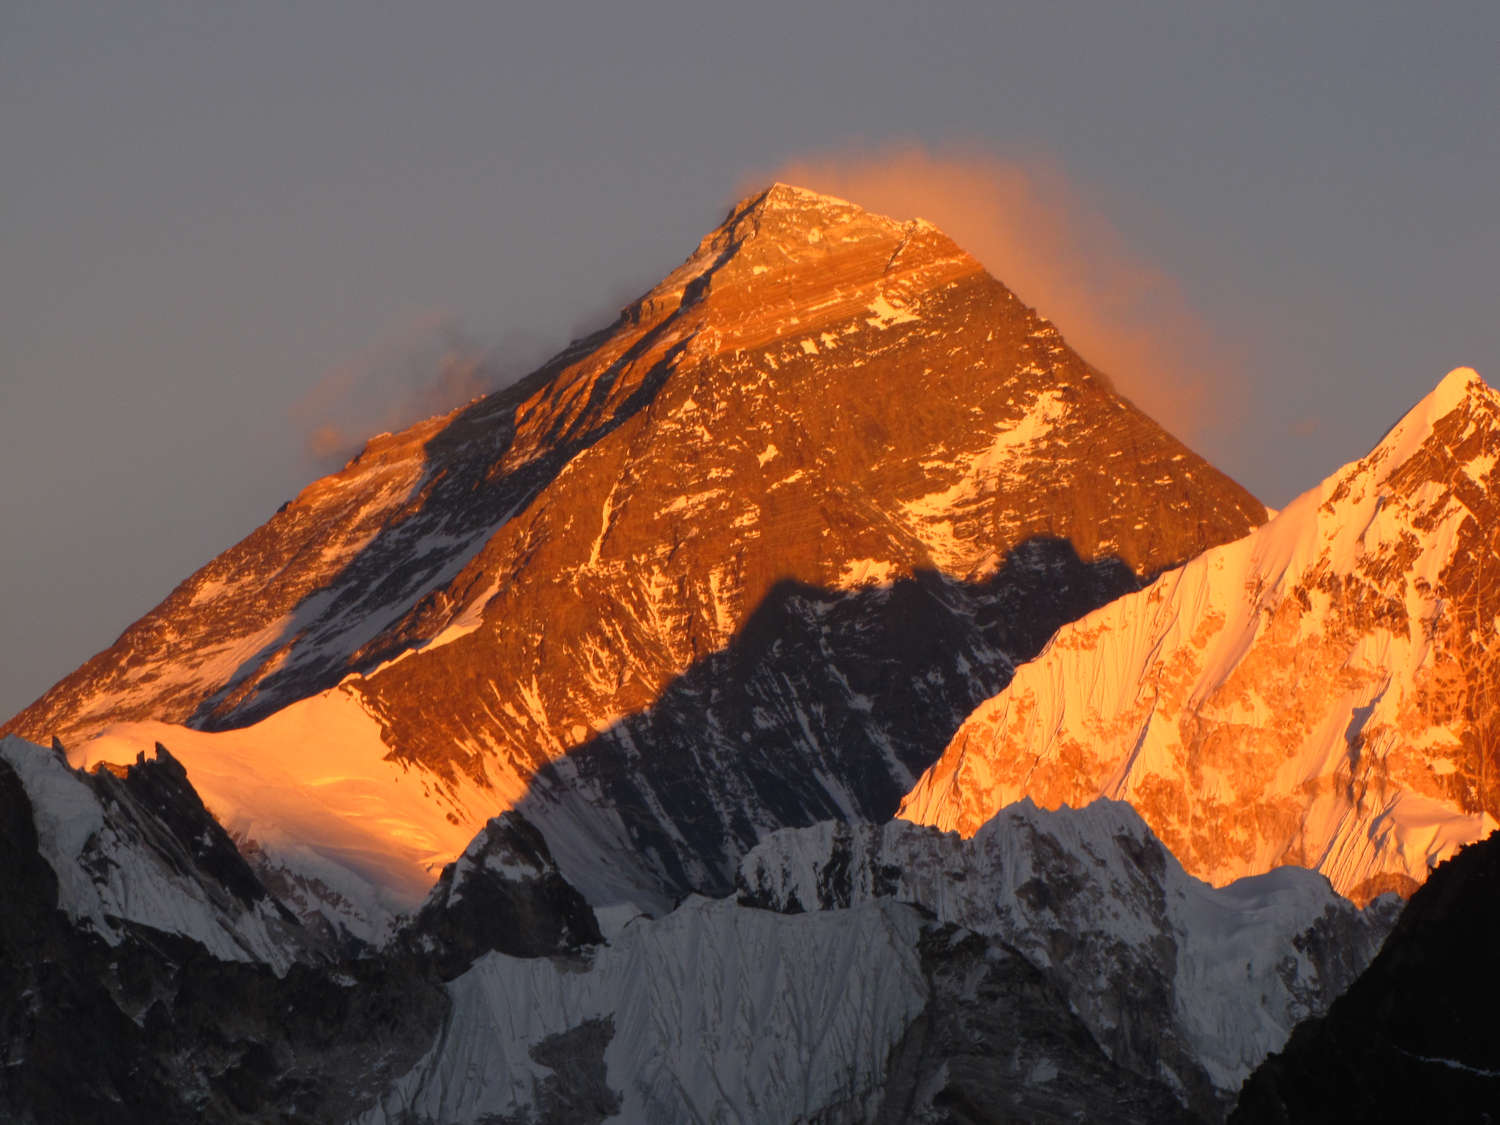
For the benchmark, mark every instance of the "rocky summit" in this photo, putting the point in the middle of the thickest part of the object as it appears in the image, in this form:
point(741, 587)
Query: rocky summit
point(540, 765)
point(744, 559)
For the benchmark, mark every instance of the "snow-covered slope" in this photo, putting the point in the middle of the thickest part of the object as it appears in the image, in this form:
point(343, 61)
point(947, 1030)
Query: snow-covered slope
point(744, 559)
point(1324, 691)
point(722, 1012)
point(712, 1013)
point(137, 849)
point(1174, 978)
point(340, 831)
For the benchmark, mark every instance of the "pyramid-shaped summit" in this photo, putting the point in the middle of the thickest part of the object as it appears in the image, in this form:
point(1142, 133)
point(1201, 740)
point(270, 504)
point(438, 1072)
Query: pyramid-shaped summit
point(1322, 692)
point(745, 557)
point(787, 257)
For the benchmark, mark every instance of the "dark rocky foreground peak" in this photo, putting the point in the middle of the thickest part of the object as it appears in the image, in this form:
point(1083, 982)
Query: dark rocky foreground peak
point(146, 976)
point(1415, 1037)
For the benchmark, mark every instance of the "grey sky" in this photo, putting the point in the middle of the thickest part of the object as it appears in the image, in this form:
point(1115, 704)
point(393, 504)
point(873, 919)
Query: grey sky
point(204, 213)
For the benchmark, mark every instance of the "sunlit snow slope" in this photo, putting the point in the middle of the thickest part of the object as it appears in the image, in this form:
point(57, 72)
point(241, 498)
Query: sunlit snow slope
point(746, 558)
point(339, 829)
point(133, 848)
point(1324, 691)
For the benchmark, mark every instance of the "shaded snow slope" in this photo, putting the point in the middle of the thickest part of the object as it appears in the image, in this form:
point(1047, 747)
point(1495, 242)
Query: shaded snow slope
point(1171, 976)
point(139, 850)
point(1321, 692)
point(343, 833)
point(721, 1012)
point(713, 1013)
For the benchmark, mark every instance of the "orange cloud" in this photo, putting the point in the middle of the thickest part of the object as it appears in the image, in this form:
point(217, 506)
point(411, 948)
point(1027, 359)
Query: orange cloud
point(417, 369)
point(1032, 230)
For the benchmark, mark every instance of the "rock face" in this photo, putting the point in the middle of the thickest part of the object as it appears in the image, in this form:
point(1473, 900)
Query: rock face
point(744, 559)
point(1323, 692)
point(137, 848)
point(1180, 984)
point(146, 976)
point(721, 1012)
point(1414, 1038)
point(503, 894)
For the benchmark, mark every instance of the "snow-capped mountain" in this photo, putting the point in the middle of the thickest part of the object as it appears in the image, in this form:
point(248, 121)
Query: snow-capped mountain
point(1177, 981)
point(744, 559)
point(1058, 965)
point(1324, 691)
point(539, 765)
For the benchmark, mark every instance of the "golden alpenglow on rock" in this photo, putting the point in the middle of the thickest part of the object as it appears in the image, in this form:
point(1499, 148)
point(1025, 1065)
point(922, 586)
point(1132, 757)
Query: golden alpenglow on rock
point(1324, 691)
point(744, 558)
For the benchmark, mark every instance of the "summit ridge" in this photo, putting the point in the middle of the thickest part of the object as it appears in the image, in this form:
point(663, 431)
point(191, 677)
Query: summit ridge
point(1319, 692)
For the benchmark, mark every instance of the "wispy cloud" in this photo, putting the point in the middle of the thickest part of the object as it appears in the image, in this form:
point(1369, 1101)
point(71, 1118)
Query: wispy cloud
point(1036, 232)
point(418, 367)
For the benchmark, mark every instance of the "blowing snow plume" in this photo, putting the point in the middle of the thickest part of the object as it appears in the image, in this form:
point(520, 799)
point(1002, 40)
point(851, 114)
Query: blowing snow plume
point(1034, 232)
point(415, 369)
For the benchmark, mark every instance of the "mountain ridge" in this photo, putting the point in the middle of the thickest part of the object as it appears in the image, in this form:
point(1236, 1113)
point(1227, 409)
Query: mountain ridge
point(642, 653)
point(829, 428)
point(1192, 698)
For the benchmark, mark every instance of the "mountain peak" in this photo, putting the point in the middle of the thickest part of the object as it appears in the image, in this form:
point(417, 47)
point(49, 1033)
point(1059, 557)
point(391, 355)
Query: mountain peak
point(786, 256)
point(1377, 586)
point(814, 206)
point(808, 206)
point(796, 220)
point(1459, 386)
point(1459, 412)
point(794, 196)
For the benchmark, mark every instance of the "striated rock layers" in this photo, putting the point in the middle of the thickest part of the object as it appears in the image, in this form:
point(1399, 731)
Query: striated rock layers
point(1324, 692)
point(744, 559)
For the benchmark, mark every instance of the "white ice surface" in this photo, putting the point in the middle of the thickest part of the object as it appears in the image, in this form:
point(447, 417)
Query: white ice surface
point(312, 787)
point(718, 1013)
point(1239, 981)
point(106, 874)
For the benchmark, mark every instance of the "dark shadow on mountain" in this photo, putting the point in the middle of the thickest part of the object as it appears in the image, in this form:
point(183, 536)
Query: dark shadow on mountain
point(826, 704)
point(1413, 1039)
point(461, 500)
